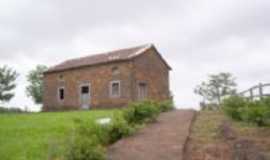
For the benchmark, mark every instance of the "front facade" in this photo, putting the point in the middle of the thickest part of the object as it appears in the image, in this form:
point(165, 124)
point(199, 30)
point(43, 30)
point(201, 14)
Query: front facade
point(107, 80)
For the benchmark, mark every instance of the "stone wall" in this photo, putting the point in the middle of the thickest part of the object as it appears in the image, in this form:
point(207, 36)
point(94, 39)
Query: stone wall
point(99, 78)
point(147, 67)
point(150, 68)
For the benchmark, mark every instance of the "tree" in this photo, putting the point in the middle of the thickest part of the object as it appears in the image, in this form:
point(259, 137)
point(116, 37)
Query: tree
point(7, 83)
point(217, 86)
point(35, 87)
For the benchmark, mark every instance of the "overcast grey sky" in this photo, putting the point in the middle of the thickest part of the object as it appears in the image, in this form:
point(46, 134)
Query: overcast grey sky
point(196, 37)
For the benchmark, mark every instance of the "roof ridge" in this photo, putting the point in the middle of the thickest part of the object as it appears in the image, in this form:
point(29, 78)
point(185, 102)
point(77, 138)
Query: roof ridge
point(103, 57)
point(148, 45)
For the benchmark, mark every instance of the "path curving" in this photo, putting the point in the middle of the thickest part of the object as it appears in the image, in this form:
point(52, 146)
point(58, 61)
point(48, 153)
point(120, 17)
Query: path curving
point(163, 140)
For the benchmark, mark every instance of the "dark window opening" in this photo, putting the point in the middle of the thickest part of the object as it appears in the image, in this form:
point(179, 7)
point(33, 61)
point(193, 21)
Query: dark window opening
point(61, 93)
point(85, 90)
point(61, 77)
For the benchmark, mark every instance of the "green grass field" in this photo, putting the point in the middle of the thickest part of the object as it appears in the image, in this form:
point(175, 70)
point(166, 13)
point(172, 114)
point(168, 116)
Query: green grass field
point(34, 136)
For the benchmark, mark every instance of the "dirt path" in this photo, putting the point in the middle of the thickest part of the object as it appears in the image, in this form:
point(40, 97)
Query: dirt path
point(163, 140)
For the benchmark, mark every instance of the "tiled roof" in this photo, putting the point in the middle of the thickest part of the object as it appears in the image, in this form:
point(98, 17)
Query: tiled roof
point(116, 55)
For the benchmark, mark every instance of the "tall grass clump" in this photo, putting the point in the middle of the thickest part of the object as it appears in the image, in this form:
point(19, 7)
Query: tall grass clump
point(243, 109)
point(166, 105)
point(90, 139)
point(141, 112)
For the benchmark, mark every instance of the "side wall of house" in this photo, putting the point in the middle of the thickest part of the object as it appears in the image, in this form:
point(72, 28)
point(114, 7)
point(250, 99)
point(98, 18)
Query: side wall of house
point(150, 69)
point(99, 78)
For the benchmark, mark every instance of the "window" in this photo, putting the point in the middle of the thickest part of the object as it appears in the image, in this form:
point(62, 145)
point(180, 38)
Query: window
point(85, 89)
point(142, 91)
point(115, 70)
point(61, 93)
point(115, 89)
point(61, 77)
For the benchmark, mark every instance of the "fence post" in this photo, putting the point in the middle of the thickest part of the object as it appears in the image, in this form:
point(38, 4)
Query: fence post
point(251, 94)
point(261, 90)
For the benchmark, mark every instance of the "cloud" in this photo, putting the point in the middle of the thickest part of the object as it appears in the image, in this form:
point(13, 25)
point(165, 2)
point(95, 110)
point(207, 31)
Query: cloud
point(196, 37)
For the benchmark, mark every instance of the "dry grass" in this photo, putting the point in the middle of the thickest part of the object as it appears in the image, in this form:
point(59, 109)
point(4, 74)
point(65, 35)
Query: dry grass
point(205, 127)
point(205, 131)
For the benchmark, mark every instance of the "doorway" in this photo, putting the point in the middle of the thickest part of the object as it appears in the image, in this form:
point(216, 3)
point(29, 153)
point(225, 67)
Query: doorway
point(85, 96)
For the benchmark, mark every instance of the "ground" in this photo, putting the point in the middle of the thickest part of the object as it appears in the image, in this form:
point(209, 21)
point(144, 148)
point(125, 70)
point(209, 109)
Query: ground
point(35, 135)
point(163, 140)
point(38, 135)
point(206, 139)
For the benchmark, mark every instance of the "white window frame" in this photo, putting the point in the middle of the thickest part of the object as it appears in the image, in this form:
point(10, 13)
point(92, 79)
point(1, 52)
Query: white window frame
point(111, 87)
point(58, 94)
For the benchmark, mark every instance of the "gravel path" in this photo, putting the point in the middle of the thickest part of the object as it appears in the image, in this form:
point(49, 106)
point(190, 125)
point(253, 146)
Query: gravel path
point(163, 140)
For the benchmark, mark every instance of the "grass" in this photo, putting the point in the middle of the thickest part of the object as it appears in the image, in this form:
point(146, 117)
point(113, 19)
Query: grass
point(38, 135)
point(205, 131)
point(205, 127)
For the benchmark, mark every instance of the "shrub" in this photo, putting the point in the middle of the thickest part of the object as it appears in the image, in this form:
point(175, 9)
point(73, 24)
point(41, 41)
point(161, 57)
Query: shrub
point(138, 113)
point(91, 130)
point(83, 147)
point(257, 112)
point(233, 106)
point(118, 129)
point(166, 106)
point(105, 133)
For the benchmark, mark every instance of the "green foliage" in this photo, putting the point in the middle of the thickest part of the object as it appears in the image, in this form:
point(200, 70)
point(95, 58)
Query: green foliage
point(30, 136)
point(233, 106)
point(118, 129)
point(35, 87)
point(217, 86)
point(7, 83)
point(166, 106)
point(84, 147)
point(106, 133)
point(11, 110)
point(90, 140)
point(141, 112)
point(257, 112)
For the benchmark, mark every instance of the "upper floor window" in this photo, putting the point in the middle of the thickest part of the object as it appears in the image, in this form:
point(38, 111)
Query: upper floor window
point(115, 70)
point(61, 93)
point(115, 89)
point(61, 77)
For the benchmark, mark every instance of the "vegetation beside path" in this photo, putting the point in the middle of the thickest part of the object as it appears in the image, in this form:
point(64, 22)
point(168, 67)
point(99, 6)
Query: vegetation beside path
point(207, 137)
point(73, 135)
point(31, 136)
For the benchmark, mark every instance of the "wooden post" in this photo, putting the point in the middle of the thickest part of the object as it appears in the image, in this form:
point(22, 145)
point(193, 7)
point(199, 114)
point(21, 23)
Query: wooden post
point(261, 90)
point(251, 93)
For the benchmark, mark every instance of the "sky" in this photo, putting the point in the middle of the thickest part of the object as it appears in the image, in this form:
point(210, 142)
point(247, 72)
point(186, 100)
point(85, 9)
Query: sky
point(196, 37)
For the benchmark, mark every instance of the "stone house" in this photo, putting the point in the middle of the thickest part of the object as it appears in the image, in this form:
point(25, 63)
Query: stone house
point(111, 79)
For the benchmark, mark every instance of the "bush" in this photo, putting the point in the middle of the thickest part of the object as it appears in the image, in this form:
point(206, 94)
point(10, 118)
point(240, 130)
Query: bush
point(141, 112)
point(85, 148)
point(233, 106)
point(119, 128)
point(257, 112)
point(166, 106)
point(90, 138)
